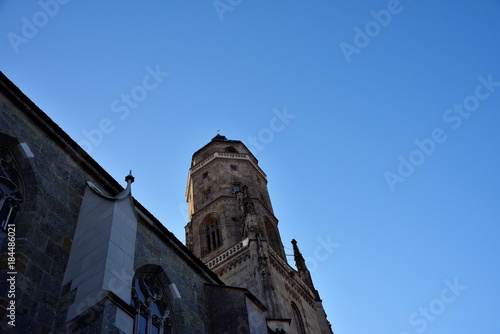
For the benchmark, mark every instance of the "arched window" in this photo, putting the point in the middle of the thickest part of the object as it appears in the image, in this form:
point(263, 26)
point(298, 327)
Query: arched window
point(212, 235)
point(10, 193)
point(297, 324)
point(152, 305)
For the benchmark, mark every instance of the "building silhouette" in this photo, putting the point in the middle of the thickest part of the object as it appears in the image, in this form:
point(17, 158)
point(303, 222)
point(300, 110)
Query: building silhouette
point(80, 255)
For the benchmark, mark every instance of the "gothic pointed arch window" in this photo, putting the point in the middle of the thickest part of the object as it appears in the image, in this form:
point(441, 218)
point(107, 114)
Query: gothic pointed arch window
point(152, 305)
point(11, 193)
point(297, 323)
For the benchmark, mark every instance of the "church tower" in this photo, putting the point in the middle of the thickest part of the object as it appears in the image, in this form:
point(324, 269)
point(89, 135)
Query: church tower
point(233, 230)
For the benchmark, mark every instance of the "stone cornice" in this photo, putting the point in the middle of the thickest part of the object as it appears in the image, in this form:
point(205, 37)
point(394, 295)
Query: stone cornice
point(228, 254)
point(232, 263)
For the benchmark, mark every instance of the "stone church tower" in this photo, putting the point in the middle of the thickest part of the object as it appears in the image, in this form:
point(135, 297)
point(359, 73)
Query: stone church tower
point(234, 231)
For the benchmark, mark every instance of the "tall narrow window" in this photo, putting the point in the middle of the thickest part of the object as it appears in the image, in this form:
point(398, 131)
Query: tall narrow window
point(297, 321)
point(10, 193)
point(153, 309)
point(212, 235)
point(236, 188)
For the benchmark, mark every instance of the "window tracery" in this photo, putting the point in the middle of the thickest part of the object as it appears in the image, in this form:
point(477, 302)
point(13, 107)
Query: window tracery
point(212, 235)
point(11, 195)
point(153, 309)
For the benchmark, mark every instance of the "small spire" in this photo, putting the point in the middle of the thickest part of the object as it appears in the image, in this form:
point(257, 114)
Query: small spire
point(218, 132)
point(123, 194)
point(304, 273)
point(299, 259)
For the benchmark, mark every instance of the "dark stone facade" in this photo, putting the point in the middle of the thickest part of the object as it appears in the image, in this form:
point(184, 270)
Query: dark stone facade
point(243, 315)
point(53, 188)
point(68, 281)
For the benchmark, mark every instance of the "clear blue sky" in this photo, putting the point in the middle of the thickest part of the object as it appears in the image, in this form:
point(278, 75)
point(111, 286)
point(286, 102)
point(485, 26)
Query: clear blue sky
point(383, 164)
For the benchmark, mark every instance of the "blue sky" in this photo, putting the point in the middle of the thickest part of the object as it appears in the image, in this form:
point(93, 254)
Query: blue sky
point(375, 121)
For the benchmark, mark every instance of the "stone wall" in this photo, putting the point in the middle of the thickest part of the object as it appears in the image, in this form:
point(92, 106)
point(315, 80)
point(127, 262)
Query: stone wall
point(53, 188)
point(234, 310)
point(182, 269)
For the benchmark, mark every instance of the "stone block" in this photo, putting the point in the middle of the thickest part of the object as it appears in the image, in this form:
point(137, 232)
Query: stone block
point(34, 273)
point(124, 321)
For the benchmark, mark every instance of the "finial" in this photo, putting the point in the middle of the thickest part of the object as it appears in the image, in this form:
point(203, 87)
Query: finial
point(129, 177)
point(218, 132)
point(300, 263)
point(296, 250)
